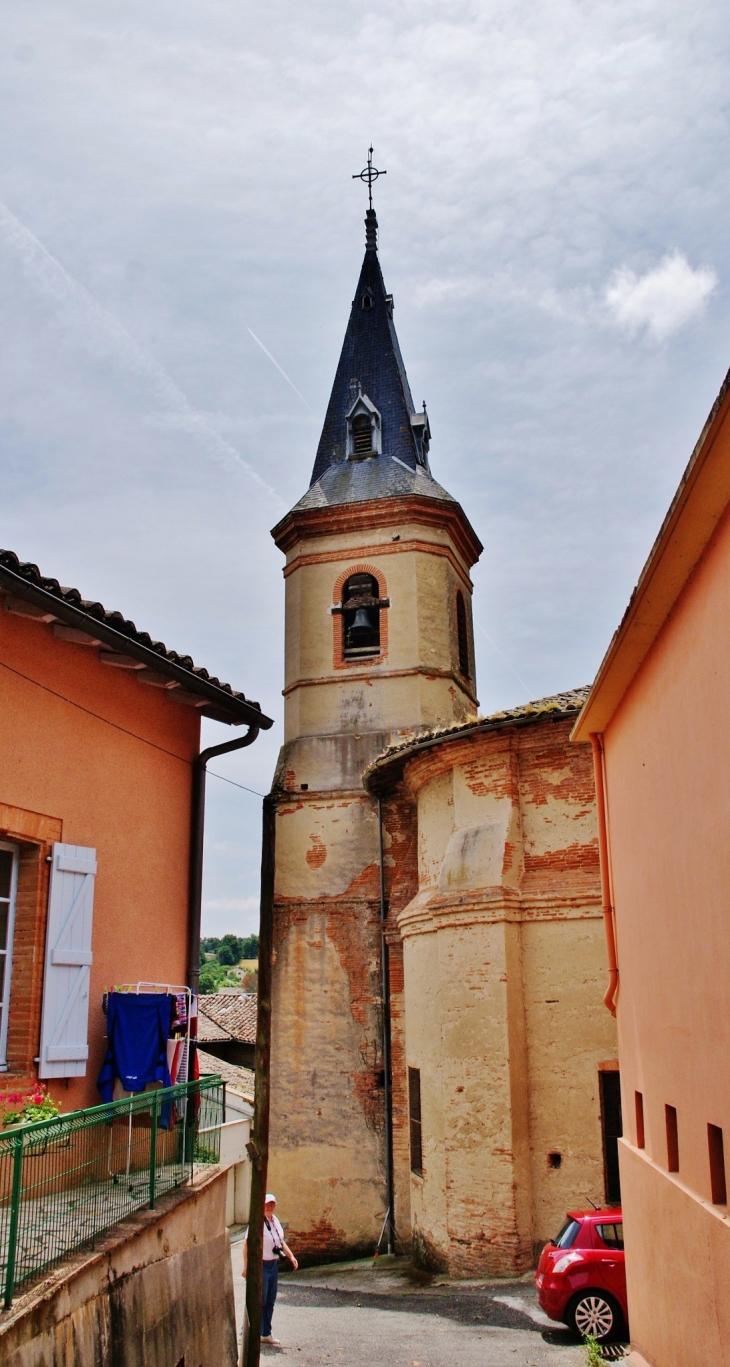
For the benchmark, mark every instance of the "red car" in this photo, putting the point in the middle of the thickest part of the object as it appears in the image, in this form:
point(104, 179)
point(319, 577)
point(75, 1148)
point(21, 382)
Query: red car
point(581, 1278)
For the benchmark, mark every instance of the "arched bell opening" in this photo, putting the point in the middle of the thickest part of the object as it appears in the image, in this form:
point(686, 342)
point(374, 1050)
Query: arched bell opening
point(360, 617)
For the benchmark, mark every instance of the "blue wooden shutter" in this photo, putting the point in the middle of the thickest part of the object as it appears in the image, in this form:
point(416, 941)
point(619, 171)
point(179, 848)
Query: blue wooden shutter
point(64, 1024)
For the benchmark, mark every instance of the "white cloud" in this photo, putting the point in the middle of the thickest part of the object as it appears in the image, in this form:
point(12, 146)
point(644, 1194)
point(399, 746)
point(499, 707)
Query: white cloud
point(663, 300)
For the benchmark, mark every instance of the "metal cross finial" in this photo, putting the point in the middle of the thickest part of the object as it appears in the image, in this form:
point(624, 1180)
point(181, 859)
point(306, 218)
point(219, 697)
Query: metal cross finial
point(368, 174)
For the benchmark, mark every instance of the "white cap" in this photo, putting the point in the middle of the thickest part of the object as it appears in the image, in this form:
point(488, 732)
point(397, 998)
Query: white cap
point(269, 1197)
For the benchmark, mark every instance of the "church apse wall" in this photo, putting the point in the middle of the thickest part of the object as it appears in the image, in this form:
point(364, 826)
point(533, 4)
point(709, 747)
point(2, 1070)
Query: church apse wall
point(504, 966)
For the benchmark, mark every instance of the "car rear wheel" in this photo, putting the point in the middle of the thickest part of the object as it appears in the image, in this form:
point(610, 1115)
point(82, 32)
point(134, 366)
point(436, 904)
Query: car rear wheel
point(596, 1313)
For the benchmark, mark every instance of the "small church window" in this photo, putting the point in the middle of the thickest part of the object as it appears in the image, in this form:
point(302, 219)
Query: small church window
point(363, 427)
point(462, 634)
point(362, 435)
point(361, 616)
point(414, 1110)
point(368, 300)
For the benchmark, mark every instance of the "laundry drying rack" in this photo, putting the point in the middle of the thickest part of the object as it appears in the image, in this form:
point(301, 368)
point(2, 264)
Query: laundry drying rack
point(178, 1050)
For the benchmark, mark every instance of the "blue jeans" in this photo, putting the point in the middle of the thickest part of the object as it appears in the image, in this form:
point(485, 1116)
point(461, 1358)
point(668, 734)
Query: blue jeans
point(268, 1297)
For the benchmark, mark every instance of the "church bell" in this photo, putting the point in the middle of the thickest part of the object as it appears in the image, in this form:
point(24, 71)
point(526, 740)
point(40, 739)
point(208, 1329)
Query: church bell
point(361, 626)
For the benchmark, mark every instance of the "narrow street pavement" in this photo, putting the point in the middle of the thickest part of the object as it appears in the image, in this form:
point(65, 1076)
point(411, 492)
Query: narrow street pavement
point(357, 1315)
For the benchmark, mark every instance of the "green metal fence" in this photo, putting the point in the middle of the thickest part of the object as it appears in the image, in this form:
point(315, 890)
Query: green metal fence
point(64, 1181)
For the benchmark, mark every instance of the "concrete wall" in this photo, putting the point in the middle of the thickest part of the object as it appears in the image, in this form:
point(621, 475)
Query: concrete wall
point(504, 967)
point(235, 1134)
point(98, 760)
point(662, 1215)
point(157, 1292)
point(668, 780)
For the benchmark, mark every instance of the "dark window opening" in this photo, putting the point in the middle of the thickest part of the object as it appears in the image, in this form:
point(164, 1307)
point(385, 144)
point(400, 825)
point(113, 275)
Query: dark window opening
point(670, 1119)
point(361, 616)
point(462, 634)
point(362, 435)
point(611, 1235)
point(718, 1180)
point(568, 1234)
point(414, 1110)
point(612, 1130)
point(639, 1103)
point(555, 1160)
point(368, 301)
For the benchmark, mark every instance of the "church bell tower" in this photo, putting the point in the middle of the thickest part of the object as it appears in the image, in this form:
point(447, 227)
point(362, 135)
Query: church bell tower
point(378, 648)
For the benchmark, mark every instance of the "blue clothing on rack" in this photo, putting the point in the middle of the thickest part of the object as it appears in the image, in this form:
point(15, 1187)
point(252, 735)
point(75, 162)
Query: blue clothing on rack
point(138, 1027)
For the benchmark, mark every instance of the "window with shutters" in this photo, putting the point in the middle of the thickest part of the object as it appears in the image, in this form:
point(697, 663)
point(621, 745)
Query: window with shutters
point(363, 429)
point(462, 635)
point(8, 892)
point(414, 1112)
point(64, 1048)
point(362, 435)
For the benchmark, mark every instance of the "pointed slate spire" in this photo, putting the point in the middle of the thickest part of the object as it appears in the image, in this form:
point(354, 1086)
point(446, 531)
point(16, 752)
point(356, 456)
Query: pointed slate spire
point(371, 364)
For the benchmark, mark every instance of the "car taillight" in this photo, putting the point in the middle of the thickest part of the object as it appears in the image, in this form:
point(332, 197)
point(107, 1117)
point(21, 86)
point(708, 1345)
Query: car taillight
point(564, 1263)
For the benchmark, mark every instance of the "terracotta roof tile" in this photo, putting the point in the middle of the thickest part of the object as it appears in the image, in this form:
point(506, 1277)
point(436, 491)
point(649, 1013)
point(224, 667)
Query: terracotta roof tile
point(234, 1013)
point(232, 1073)
point(24, 580)
point(557, 705)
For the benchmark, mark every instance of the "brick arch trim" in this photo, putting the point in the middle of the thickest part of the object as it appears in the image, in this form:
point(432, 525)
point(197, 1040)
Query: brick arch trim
point(338, 659)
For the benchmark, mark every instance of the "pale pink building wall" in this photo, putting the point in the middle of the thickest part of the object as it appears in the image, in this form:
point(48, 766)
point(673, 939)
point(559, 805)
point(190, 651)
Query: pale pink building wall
point(668, 780)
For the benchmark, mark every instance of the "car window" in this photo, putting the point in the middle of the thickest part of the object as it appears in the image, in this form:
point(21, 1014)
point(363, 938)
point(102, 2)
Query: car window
point(568, 1234)
point(612, 1235)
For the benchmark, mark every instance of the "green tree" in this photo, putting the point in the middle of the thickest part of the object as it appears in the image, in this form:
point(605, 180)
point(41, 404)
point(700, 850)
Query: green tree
point(250, 948)
point(211, 977)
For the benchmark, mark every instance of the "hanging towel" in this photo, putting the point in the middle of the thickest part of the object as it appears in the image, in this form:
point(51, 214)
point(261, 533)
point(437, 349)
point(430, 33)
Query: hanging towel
point(138, 1025)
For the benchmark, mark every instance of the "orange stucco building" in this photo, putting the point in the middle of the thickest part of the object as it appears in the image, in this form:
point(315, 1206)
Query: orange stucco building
point(99, 735)
point(658, 716)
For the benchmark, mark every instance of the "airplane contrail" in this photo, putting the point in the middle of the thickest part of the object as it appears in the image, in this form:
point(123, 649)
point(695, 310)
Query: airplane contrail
point(54, 280)
point(504, 657)
point(281, 372)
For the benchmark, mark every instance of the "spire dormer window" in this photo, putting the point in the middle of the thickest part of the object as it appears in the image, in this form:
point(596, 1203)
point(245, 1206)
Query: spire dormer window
point(368, 300)
point(362, 436)
point(363, 429)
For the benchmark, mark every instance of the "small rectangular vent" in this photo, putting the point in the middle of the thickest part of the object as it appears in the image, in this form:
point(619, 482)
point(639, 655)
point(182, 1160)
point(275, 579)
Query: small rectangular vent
point(362, 436)
point(670, 1117)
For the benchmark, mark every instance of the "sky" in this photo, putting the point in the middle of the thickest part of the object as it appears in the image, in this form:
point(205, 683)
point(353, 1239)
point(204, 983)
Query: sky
point(177, 208)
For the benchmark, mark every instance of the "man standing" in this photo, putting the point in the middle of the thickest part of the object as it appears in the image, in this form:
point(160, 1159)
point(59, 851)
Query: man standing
point(274, 1244)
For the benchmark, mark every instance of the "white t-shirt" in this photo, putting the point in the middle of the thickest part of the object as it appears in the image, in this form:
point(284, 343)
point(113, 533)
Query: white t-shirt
point(274, 1232)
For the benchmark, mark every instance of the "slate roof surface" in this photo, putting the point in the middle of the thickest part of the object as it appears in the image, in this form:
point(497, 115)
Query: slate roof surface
point(232, 1012)
point(360, 481)
point(370, 355)
point(24, 579)
point(557, 705)
point(232, 1073)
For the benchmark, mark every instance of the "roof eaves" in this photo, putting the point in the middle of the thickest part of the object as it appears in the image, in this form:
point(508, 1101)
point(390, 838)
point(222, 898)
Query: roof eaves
point(24, 580)
point(388, 766)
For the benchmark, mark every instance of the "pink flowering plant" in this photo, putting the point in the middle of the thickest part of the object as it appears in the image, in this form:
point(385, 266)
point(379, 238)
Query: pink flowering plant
point(22, 1108)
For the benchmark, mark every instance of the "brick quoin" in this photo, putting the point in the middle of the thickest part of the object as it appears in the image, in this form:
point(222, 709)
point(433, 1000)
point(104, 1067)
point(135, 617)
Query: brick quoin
point(26, 986)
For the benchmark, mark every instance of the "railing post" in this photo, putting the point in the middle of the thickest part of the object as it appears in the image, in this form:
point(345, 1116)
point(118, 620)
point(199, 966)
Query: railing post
point(14, 1219)
point(153, 1149)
